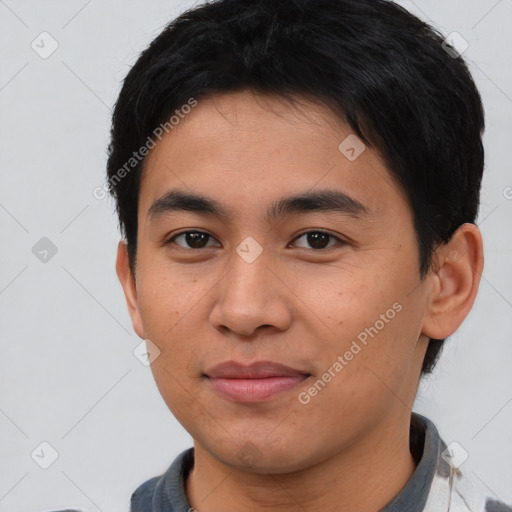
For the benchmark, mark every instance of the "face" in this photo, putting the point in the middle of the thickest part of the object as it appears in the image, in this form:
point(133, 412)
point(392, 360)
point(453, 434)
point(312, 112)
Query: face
point(327, 285)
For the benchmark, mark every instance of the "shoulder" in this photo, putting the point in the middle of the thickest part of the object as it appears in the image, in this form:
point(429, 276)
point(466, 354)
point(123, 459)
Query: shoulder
point(142, 498)
point(165, 493)
point(468, 494)
point(454, 488)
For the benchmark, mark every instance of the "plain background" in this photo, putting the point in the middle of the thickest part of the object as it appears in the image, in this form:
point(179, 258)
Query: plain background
point(67, 372)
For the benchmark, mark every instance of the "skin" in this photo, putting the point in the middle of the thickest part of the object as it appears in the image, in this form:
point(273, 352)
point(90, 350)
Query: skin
point(296, 304)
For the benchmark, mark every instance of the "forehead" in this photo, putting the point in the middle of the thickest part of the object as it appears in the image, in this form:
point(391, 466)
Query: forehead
point(244, 147)
point(247, 120)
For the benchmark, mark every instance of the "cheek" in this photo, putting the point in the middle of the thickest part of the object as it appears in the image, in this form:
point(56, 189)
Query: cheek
point(342, 303)
point(165, 298)
point(371, 321)
point(163, 307)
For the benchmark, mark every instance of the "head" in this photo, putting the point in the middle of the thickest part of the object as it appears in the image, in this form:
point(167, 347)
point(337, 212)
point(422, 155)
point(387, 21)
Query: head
point(338, 144)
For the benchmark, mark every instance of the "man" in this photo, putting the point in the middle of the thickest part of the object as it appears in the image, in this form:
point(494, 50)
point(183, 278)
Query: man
point(297, 184)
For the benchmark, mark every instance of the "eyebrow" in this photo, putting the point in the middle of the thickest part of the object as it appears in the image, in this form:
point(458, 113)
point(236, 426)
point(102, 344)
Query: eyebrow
point(328, 200)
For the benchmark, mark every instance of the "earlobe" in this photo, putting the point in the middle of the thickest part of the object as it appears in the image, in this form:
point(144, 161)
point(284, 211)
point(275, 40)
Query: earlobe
point(456, 280)
point(129, 287)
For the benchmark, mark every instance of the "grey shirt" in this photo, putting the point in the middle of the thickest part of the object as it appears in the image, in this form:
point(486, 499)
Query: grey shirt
point(437, 484)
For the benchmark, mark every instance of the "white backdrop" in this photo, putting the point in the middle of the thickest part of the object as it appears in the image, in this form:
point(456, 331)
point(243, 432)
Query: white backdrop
point(67, 373)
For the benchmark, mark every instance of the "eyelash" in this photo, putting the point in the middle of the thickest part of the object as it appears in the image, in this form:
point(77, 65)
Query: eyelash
point(170, 241)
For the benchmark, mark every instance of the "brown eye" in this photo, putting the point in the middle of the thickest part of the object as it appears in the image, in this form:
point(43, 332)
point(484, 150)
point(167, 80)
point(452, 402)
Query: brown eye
point(318, 239)
point(192, 239)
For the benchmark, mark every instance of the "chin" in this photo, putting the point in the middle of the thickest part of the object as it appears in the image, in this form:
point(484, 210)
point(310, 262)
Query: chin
point(260, 456)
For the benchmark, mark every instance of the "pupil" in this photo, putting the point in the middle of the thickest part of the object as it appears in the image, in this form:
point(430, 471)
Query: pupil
point(194, 239)
point(314, 239)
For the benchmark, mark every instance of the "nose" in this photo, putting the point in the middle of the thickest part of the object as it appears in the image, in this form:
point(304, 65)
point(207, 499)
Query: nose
point(252, 296)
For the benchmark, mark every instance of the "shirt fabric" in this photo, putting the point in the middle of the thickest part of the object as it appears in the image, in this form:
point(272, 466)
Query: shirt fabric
point(437, 484)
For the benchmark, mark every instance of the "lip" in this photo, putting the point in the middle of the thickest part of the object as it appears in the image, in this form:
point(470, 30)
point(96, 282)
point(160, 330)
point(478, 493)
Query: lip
point(256, 370)
point(256, 382)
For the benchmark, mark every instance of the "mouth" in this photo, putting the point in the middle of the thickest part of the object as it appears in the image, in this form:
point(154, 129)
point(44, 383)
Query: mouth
point(256, 382)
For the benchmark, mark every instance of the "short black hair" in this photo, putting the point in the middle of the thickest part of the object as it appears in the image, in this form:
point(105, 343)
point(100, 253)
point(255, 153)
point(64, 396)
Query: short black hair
point(393, 78)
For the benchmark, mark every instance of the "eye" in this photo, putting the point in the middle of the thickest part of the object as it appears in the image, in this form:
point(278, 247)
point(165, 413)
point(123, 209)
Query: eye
point(194, 239)
point(318, 239)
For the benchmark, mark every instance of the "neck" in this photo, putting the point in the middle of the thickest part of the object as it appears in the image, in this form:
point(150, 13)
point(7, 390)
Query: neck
point(364, 477)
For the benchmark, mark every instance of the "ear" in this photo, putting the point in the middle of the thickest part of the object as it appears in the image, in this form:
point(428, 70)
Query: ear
point(127, 280)
point(455, 281)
